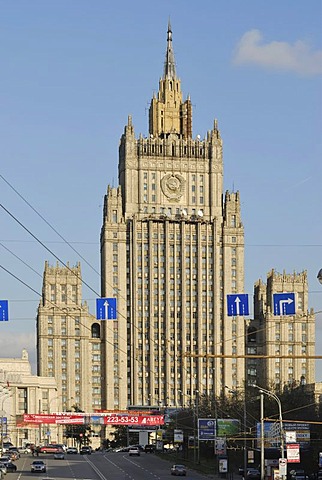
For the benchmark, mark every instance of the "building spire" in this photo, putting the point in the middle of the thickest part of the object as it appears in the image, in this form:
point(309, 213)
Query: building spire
point(169, 65)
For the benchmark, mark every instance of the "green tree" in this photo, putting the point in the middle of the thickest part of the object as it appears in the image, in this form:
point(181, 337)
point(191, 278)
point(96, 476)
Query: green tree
point(80, 433)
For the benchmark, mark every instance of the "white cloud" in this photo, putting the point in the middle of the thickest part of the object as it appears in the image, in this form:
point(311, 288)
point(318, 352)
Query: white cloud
point(12, 344)
point(297, 57)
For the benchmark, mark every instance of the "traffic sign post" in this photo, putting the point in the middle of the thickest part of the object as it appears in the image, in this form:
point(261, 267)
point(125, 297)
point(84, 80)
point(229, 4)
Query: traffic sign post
point(284, 303)
point(282, 463)
point(237, 305)
point(4, 311)
point(106, 309)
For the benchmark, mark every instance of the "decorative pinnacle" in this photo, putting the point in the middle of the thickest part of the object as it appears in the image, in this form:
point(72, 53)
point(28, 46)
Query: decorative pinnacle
point(169, 65)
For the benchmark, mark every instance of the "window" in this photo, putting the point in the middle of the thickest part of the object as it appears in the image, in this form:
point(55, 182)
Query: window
point(95, 330)
point(53, 293)
point(114, 216)
point(64, 293)
point(74, 293)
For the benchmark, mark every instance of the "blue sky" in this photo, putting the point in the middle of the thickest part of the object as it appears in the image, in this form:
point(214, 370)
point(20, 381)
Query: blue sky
point(71, 73)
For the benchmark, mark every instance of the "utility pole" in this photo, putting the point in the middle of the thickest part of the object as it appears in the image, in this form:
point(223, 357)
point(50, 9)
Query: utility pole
point(262, 436)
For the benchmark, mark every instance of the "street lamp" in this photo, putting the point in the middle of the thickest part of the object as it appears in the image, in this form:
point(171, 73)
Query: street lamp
point(272, 395)
point(235, 392)
point(6, 395)
point(319, 275)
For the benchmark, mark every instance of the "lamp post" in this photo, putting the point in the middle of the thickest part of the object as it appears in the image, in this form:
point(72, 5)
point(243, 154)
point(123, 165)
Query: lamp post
point(196, 456)
point(6, 395)
point(49, 412)
point(275, 397)
point(234, 392)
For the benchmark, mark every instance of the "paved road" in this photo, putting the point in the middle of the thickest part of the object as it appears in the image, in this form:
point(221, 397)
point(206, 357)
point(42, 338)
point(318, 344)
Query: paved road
point(99, 466)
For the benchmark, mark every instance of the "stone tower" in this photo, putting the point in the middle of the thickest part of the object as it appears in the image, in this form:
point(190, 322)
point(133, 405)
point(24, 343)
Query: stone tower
point(172, 248)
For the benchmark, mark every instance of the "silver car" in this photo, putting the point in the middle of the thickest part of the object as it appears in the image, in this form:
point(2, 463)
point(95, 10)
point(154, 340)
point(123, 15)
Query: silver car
point(38, 466)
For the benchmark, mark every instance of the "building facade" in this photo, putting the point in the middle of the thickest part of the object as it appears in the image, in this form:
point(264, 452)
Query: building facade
point(69, 340)
point(20, 393)
point(287, 342)
point(172, 248)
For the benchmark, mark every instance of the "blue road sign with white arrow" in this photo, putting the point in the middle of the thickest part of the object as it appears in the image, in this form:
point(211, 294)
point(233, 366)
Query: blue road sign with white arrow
point(4, 311)
point(237, 305)
point(284, 303)
point(106, 309)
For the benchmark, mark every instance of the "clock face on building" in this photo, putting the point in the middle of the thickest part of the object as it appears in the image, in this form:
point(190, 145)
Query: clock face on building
point(173, 186)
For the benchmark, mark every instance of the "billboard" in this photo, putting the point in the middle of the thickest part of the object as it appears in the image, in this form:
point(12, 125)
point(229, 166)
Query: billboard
point(227, 427)
point(206, 429)
point(272, 433)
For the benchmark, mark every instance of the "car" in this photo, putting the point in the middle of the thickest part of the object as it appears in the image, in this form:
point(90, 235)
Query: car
point(38, 466)
point(13, 455)
point(59, 455)
point(134, 451)
point(11, 467)
point(49, 449)
point(85, 451)
point(149, 448)
point(179, 470)
point(15, 451)
point(253, 474)
point(24, 450)
point(297, 474)
point(72, 450)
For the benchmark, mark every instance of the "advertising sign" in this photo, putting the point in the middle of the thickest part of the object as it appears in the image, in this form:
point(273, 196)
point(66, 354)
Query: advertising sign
point(320, 459)
point(147, 420)
point(223, 465)
point(272, 433)
point(293, 453)
point(40, 418)
point(81, 418)
point(220, 446)
point(290, 437)
point(206, 428)
point(178, 436)
point(227, 426)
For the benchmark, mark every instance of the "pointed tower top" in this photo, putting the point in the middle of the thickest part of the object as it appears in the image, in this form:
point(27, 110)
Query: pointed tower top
point(169, 65)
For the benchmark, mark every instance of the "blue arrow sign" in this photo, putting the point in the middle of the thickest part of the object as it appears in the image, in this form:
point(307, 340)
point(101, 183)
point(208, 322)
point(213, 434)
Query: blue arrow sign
point(106, 309)
point(284, 303)
point(4, 311)
point(237, 305)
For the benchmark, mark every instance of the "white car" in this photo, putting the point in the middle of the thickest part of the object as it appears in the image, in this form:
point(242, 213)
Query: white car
point(134, 451)
point(24, 450)
point(38, 466)
point(3, 469)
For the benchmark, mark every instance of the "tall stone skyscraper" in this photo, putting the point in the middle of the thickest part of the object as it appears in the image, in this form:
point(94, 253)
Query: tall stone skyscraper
point(172, 248)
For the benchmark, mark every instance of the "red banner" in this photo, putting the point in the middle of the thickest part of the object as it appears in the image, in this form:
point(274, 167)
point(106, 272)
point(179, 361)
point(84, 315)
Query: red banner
point(40, 418)
point(148, 420)
point(79, 419)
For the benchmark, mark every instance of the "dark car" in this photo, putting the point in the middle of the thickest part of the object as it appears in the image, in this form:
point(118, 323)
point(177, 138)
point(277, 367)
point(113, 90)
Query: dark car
point(11, 467)
point(253, 474)
point(85, 451)
point(297, 474)
point(149, 448)
point(179, 470)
